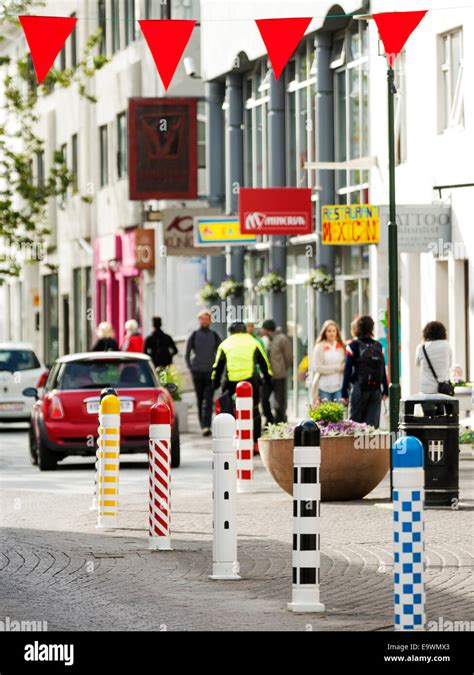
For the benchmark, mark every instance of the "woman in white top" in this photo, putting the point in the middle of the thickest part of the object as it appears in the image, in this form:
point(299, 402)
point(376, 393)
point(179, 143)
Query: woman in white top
point(329, 357)
point(439, 353)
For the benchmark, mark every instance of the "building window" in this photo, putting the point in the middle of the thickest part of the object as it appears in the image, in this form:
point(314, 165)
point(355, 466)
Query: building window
point(451, 108)
point(51, 318)
point(103, 27)
point(63, 151)
point(74, 161)
point(300, 116)
point(122, 145)
point(40, 169)
point(129, 15)
point(256, 97)
point(115, 19)
point(201, 128)
point(73, 43)
point(153, 9)
point(400, 110)
point(104, 155)
point(351, 110)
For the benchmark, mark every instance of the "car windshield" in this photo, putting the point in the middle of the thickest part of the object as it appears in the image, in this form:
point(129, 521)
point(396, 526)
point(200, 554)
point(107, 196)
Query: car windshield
point(123, 374)
point(13, 360)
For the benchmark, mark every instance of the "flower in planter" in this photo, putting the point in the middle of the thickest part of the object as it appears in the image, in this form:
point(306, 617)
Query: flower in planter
point(208, 293)
point(320, 280)
point(280, 431)
point(328, 411)
point(270, 283)
point(345, 428)
point(230, 287)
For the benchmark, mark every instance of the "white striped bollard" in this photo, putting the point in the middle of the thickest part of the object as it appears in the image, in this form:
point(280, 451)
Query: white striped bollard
point(408, 530)
point(95, 501)
point(109, 462)
point(244, 436)
point(224, 542)
point(306, 519)
point(160, 478)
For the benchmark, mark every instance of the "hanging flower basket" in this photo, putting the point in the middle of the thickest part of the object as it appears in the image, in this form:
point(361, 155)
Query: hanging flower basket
point(208, 293)
point(229, 287)
point(320, 280)
point(270, 283)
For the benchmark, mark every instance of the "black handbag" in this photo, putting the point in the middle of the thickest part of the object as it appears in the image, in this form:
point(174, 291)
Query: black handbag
point(443, 387)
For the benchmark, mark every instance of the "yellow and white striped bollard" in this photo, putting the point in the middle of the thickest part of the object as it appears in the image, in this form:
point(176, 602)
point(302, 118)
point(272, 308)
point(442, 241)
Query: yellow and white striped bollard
point(109, 462)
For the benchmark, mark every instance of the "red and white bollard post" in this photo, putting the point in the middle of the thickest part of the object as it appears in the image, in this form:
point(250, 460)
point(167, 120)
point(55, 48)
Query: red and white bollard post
point(160, 478)
point(244, 436)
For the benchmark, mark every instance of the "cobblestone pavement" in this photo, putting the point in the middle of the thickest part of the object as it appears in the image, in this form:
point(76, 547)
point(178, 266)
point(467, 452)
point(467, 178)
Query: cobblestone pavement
point(56, 567)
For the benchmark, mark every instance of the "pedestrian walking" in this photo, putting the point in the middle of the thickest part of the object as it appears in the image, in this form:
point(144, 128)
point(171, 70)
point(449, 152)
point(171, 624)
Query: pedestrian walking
point(160, 346)
point(434, 357)
point(250, 325)
point(106, 341)
point(280, 355)
point(329, 357)
point(241, 357)
point(365, 372)
point(132, 340)
point(200, 355)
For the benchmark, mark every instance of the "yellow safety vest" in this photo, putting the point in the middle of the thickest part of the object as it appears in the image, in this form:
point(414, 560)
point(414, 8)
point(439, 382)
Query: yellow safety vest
point(239, 350)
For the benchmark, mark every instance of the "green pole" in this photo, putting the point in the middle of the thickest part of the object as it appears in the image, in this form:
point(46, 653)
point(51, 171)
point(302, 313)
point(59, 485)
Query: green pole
point(394, 388)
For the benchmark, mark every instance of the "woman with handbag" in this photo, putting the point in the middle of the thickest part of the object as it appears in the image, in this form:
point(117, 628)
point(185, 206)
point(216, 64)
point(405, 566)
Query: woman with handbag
point(434, 357)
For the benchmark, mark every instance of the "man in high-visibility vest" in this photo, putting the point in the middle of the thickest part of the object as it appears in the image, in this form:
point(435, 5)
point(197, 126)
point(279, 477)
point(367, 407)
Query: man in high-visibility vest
point(242, 357)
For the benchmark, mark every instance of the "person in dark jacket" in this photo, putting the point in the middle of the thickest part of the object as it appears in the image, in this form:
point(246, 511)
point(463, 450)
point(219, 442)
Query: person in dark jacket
point(105, 339)
point(365, 372)
point(160, 346)
point(200, 354)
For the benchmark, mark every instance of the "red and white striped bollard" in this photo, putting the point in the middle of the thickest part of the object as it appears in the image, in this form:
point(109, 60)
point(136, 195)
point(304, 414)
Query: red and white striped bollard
point(244, 436)
point(160, 478)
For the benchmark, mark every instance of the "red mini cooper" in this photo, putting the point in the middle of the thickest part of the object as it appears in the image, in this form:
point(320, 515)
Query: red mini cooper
point(64, 418)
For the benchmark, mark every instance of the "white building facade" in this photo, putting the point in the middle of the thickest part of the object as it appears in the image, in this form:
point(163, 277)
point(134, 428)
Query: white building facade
point(335, 109)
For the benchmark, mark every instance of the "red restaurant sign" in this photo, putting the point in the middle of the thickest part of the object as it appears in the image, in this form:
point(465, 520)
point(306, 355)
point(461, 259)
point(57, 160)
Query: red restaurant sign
point(275, 211)
point(162, 148)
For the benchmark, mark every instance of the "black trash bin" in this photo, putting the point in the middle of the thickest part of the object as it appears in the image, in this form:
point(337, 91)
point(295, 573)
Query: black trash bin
point(434, 419)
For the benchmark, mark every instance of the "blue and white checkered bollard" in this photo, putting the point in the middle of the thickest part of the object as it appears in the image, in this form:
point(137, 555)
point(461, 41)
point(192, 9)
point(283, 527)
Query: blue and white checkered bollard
point(409, 547)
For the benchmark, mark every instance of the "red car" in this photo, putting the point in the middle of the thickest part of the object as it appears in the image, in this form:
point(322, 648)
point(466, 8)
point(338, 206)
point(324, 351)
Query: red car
point(64, 418)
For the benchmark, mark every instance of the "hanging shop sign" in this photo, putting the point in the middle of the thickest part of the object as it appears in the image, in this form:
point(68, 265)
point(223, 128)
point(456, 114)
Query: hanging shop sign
point(422, 228)
point(144, 249)
point(350, 224)
point(275, 211)
point(221, 232)
point(162, 148)
point(178, 231)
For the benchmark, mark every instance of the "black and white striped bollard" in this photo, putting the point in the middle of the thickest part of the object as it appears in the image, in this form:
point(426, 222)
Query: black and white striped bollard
point(306, 519)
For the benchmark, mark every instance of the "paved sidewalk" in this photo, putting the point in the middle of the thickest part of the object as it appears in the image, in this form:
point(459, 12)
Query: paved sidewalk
point(56, 567)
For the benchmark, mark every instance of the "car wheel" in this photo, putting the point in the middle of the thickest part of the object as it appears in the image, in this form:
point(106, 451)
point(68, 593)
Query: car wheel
point(47, 460)
point(175, 444)
point(32, 444)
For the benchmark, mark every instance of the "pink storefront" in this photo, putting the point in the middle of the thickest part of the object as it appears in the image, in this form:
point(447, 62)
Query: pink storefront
point(118, 281)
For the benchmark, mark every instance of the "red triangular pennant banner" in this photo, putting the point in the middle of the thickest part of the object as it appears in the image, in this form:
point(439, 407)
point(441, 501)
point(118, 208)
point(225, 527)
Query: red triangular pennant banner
point(395, 28)
point(46, 36)
point(167, 40)
point(281, 37)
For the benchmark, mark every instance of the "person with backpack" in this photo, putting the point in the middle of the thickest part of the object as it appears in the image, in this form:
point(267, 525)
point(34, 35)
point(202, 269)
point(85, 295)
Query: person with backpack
point(365, 372)
point(201, 349)
point(160, 346)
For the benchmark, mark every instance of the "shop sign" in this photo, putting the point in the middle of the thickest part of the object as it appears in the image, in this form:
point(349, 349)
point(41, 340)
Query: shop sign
point(178, 230)
point(422, 228)
point(221, 232)
point(350, 224)
point(284, 211)
point(144, 249)
point(162, 148)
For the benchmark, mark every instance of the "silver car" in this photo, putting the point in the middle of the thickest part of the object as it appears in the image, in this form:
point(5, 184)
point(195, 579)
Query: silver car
point(19, 368)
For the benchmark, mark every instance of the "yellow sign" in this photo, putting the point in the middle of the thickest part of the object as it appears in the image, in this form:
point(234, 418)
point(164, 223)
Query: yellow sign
point(220, 231)
point(350, 224)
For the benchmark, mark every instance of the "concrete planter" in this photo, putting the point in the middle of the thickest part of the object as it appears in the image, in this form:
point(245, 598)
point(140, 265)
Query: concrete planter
point(346, 472)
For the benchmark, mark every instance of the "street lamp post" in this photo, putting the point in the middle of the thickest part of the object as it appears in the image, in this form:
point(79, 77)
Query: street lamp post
point(394, 388)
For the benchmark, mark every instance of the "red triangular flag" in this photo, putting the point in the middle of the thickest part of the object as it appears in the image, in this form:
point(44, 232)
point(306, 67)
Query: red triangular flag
point(46, 36)
point(167, 40)
point(281, 37)
point(395, 28)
